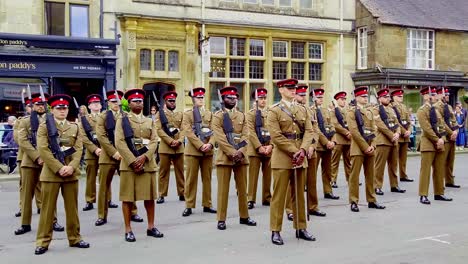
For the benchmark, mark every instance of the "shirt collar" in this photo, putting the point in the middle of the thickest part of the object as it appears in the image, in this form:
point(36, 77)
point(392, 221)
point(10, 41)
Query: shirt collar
point(288, 104)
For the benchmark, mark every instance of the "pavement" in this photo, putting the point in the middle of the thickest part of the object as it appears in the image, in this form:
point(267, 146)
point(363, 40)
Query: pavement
point(405, 232)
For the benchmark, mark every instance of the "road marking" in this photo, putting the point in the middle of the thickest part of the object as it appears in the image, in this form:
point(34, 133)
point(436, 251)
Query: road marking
point(432, 238)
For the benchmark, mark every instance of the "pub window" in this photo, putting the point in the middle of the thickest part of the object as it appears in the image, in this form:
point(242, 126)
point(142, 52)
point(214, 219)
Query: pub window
point(237, 68)
point(362, 48)
point(67, 18)
point(297, 50)
point(218, 46)
point(236, 47)
point(218, 68)
point(420, 49)
point(315, 71)
point(159, 60)
point(173, 61)
point(256, 69)
point(280, 49)
point(145, 59)
point(79, 26)
point(297, 70)
point(55, 18)
point(315, 51)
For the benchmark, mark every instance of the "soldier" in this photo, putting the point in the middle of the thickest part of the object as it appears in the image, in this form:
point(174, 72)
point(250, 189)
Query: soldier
point(387, 136)
point(342, 137)
point(432, 147)
point(196, 126)
point(403, 117)
point(259, 149)
point(291, 133)
point(32, 162)
point(362, 127)
point(136, 140)
point(231, 155)
point(61, 154)
point(326, 143)
point(451, 127)
point(110, 158)
point(171, 147)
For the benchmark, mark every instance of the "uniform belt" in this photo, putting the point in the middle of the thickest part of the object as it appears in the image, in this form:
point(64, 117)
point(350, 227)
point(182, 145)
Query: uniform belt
point(294, 136)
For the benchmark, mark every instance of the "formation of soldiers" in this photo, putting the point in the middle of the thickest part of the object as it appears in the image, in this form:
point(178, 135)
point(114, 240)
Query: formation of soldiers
point(286, 142)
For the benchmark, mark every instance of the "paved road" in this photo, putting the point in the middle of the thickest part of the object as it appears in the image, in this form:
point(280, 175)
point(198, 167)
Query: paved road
point(406, 232)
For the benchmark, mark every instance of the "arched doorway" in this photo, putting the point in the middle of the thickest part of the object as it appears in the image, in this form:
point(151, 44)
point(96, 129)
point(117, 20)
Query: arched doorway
point(159, 88)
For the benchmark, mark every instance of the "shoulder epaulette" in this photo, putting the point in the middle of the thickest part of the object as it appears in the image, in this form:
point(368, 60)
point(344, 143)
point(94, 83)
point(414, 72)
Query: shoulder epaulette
point(274, 105)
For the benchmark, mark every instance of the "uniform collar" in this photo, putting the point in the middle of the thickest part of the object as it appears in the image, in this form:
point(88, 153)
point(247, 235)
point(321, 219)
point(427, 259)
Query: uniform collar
point(288, 104)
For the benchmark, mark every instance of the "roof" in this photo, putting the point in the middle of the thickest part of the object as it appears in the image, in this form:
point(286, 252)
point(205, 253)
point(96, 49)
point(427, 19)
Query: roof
point(432, 14)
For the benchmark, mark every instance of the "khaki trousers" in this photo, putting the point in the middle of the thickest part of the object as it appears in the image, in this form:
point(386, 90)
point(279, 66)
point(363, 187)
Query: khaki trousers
point(338, 152)
point(37, 191)
point(356, 163)
point(437, 162)
point(324, 159)
point(403, 157)
point(386, 155)
point(164, 172)
point(449, 157)
point(311, 182)
point(224, 177)
point(92, 167)
point(31, 188)
point(204, 164)
point(254, 170)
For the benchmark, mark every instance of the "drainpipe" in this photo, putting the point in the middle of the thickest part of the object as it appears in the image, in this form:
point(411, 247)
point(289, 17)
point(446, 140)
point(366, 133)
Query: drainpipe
point(101, 19)
point(341, 47)
point(203, 37)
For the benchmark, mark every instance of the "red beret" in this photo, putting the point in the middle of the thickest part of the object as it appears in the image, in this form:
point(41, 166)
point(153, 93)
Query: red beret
point(383, 92)
point(62, 100)
point(134, 94)
point(361, 90)
point(339, 95)
point(397, 92)
point(287, 83)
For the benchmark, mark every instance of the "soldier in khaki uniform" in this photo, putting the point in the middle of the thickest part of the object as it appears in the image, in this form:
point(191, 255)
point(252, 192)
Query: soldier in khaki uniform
point(59, 174)
point(259, 150)
point(31, 164)
point(386, 141)
point(110, 158)
point(198, 152)
point(291, 133)
point(326, 143)
point(405, 126)
point(231, 157)
point(138, 164)
point(342, 137)
point(451, 127)
point(432, 147)
point(171, 147)
point(362, 127)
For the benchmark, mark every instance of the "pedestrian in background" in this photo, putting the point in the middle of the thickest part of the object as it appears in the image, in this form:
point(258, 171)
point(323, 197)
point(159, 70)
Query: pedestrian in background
point(461, 120)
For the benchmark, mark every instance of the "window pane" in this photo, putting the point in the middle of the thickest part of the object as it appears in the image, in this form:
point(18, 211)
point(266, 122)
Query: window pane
point(256, 69)
point(218, 45)
point(79, 22)
point(237, 47)
point(285, 3)
point(315, 51)
point(280, 49)
point(214, 87)
point(55, 18)
point(145, 60)
point(315, 72)
point(297, 70)
point(159, 60)
point(174, 61)
point(237, 69)
point(250, 1)
point(240, 91)
point(256, 47)
point(279, 70)
point(297, 50)
point(218, 68)
point(306, 4)
point(268, 2)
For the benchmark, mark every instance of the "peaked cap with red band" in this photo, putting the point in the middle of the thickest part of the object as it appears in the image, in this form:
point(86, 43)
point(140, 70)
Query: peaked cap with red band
point(261, 92)
point(361, 90)
point(441, 89)
point(135, 93)
point(302, 89)
point(197, 92)
point(397, 92)
point(339, 95)
point(169, 95)
point(27, 101)
point(93, 98)
point(318, 92)
point(36, 97)
point(59, 100)
point(383, 92)
point(426, 90)
point(111, 94)
point(228, 90)
point(287, 83)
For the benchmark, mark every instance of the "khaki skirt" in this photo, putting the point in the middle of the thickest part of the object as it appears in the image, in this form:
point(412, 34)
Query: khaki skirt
point(137, 187)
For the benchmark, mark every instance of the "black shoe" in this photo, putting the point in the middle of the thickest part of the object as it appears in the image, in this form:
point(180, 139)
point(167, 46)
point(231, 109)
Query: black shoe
point(181, 198)
point(18, 214)
point(397, 190)
point(379, 191)
point(210, 210)
point(317, 213)
point(12, 168)
point(442, 198)
point(187, 212)
point(160, 200)
point(23, 230)
point(57, 227)
point(424, 200)
point(334, 185)
point(375, 205)
point(81, 244)
point(130, 237)
point(100, 222)
point(38, 210)
point(303, 234)
point(88, 206)
point(354, 207)
point(276, 238)
point(221, 225)
point(40, 250)
point(250, 205)
point(112, 205)
point(247, 221)
point(136, 218)
point(452, 185)
point(154, 232)
point(331, 196)
point(290, 217)
point(406, 180)
point(266, 203)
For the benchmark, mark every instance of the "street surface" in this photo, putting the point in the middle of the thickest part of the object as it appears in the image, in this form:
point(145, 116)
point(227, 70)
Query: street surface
point(405, 232)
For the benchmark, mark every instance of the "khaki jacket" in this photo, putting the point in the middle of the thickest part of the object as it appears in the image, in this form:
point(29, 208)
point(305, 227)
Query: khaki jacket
point(174, 119)
point(16, 126)
point(69, 136)
point(226, 150)
point(453, 120)
point(428, 139)
point(30, 153)
point(340, 136)
point(358, 143)
point(88, 144)
point(384, 135)
point(108, 149)
point(323, 140)
point(193, 142)
point(405, 119)
point(143, 130)
point(278, 123)
point(254, 142)
point(315, 129)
